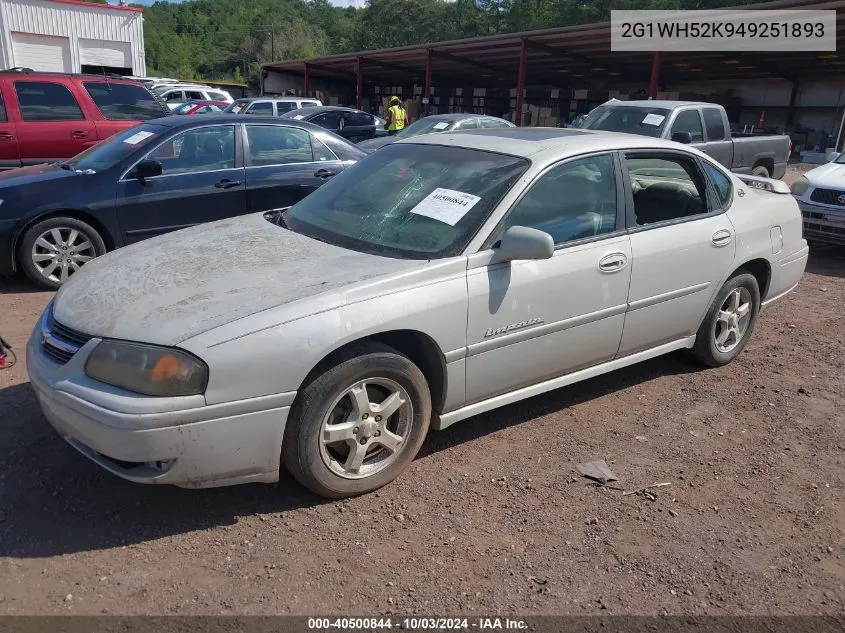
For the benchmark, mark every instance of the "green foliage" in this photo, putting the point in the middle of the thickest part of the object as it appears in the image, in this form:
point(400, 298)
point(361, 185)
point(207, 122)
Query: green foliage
point(230, 39)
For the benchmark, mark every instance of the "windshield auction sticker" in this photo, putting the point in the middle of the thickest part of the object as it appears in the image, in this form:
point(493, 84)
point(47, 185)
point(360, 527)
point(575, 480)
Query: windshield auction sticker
point(653, 119)
point(137, 137)
point(446, 205)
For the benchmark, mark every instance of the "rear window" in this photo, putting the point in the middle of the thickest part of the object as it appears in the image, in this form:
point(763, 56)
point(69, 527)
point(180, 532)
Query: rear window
point(47, 101)
point(217, 96)
point(123, 102)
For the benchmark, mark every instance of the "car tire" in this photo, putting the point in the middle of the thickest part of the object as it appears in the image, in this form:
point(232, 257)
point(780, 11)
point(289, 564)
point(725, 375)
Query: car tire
point(725, 330)
point(59, 235)
point(333, 438)
point(761, 171)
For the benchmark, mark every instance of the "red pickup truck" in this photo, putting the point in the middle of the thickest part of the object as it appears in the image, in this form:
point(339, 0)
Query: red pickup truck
point(46, 117)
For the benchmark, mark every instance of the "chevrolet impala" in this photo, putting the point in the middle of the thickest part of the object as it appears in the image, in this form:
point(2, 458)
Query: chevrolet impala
point(437, 279)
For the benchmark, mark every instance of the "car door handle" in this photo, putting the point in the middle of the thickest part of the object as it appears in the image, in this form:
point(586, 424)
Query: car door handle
point(324, 173)
point(722, 237)
point(79, 134)
point(226, 183)
point(613, 263)
point(7, 136)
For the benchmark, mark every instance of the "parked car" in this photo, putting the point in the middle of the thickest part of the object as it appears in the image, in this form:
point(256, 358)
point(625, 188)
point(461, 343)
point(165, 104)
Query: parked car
point(200, 107)
point(174, 94)
point(163, 175)
point(821, 195)
point(270, 106)
point(47, 117)
point(437, 279)
point(354, 125)
point(438, 123)
point(703, 125)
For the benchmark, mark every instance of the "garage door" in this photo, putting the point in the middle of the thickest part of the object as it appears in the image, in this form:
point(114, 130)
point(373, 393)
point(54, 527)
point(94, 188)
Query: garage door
point(104, 53)
point(41, 52)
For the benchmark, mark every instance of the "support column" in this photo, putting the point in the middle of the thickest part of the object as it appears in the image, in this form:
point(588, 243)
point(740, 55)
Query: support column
point(360, 83)
point(655, 75)
point(520, 82)
point(306, 87)
point(790, 111)
point(427, 89)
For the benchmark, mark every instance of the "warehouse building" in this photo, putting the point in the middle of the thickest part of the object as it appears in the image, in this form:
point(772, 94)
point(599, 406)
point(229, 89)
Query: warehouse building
point(553, 75)
point(71, 36)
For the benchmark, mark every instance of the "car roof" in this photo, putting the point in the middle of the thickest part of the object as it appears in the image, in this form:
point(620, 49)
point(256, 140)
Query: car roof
point(457, 116)
point(321, 109)
point(88, 76)
point(539, 143)
point(229, 117)
point(281, 99)
point(668, 105)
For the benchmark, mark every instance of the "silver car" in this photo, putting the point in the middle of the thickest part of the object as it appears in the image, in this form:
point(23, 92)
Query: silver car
point(435, 280)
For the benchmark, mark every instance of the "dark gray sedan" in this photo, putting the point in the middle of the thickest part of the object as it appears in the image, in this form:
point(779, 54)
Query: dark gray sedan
point(353, 125)
point(438, 123)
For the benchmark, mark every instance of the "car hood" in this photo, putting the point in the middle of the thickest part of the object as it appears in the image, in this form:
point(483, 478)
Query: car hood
point(373, 144)
point(167, 289)
point(34, 174)
point(831, 175)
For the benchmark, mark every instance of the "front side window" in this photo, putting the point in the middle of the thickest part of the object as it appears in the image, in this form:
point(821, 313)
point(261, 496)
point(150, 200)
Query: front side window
point(328, 120)
point(176, 96)
point(47, 101)
point(123, 102)
point(721, 183)
point(408, 201)
point(261, 108)
point(689, 121)
point(572, 201)
point(278, 145)
point(714, 123)
point(665, 188)
point(194, 96)
point(203, 149)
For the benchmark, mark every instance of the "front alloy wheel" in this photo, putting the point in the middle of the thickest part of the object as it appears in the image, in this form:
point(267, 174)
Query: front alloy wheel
point(60, 252)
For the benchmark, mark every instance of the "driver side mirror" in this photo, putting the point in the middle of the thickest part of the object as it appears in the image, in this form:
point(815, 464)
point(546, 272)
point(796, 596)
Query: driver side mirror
point(682, 137)
point(522, 242)
point(147, 169)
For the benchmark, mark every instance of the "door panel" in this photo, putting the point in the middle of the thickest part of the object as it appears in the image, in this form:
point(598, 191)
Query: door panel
point(9, 155)
point(682, 247)
point(534, 320)
point(52, 124)
point(578, 312)
point(200, 183)
point(284, 164)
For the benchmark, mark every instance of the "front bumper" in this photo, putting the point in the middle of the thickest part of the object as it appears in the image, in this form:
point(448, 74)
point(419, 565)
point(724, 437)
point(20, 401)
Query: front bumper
point(823, 223)
point(192, 447)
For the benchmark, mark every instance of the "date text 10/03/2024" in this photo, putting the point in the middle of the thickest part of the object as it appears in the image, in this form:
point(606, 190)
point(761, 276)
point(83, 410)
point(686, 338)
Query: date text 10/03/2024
point(416, 624)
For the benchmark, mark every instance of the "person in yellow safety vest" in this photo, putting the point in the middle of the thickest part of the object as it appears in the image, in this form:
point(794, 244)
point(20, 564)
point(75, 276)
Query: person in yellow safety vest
point(396, 117)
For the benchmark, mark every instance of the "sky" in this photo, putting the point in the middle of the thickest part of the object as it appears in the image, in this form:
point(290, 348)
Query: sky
point(337, 3)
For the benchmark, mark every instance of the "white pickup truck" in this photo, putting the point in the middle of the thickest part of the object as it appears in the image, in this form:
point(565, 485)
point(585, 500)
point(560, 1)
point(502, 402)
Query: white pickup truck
point(703, 125)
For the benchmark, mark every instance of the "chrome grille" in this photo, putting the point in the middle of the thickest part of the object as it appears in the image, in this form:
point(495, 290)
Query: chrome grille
point(60, 342)
point(828, 196)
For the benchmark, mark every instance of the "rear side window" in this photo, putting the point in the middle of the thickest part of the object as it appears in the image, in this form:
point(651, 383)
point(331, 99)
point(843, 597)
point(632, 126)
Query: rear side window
point(309, 104)
point(47, 101)
point(278, 145)
point(123, 102)
point(286, 106)
point(217, 96)
point(665, 188)
point(722, 184)
point(714, 124)
point(358, 119)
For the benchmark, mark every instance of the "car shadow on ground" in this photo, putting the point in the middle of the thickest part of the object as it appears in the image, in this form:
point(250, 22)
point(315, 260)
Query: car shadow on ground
point(53, 501)
point(827, 259)
point(19, 284)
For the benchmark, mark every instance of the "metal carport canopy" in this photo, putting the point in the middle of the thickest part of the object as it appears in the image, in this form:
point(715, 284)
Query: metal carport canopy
point(564, 56)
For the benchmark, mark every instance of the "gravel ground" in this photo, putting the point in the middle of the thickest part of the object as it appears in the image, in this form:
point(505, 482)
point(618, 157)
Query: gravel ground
point(491, 518)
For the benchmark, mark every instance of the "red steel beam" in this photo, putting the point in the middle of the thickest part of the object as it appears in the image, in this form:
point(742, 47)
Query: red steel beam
point(360, 83)
point(655, 75)
point(427, 93)
point(520, 82)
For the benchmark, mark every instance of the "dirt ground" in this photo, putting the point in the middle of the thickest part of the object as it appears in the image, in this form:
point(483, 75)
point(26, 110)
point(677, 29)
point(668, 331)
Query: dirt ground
point(491, 518)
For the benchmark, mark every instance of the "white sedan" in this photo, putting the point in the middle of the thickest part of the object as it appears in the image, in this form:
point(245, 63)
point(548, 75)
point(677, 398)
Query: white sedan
point(821, 195)
point(439, 278)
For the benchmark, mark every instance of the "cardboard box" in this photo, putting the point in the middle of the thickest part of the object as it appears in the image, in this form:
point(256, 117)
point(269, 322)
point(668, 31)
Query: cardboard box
point(479, 92)
point(668, 96)
point(581, 94)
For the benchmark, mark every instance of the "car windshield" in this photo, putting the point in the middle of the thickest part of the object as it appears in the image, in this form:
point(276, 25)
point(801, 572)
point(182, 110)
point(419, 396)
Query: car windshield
point(114, 149)
point(631, 119)
point(408, 201)
point(424, 126)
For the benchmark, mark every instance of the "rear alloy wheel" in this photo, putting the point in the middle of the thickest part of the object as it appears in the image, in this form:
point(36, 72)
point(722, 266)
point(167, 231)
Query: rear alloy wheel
point(729, 321)
point(54, 249)
point(356, 426)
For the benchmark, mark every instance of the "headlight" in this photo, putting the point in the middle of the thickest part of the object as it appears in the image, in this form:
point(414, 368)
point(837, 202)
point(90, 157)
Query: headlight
point(147, 369)
point(800, 186)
